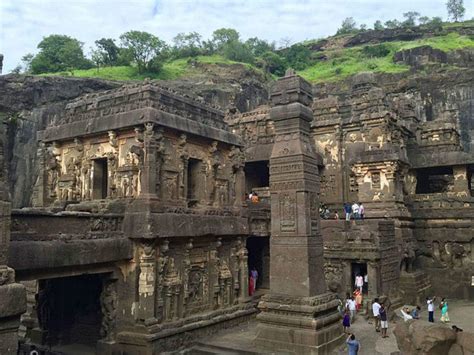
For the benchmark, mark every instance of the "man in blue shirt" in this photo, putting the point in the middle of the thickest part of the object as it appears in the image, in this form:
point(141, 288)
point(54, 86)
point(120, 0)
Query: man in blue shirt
point(348, 211)
point(353, 345)
point(415, 313)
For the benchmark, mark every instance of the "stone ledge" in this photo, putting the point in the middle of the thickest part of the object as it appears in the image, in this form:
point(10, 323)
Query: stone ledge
point(12, 300)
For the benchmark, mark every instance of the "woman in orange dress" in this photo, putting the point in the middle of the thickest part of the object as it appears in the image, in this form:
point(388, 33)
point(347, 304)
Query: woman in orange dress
point(358, 298)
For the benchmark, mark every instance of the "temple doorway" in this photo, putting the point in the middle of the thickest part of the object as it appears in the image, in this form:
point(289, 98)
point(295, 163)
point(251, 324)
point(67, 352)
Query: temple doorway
point(69, 311)
point(259, 257)
point(359, 269)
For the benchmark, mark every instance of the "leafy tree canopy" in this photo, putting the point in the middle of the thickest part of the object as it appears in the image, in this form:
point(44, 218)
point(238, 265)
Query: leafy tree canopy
point(224, 36)
point(456, 9)
point(347, 26)
point(187, 44)
point(143, 47)
point(59, 53)
point(108, 50)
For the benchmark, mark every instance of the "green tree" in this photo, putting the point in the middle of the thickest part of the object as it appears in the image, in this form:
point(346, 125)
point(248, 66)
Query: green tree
point(435, 24)
point(391, 24)
point(187, 45)
point(378, 26)
point(108, 50)
point(16, 70)
point(238, 51)
point(298, 56)
point(456, 9)
point(259, 46)
point(347, 26)
point(423, 20)
point(411, 17)
point(144, 47)
point(273, 63)
point(59, 53)
point(26, 60)
point(223, 36)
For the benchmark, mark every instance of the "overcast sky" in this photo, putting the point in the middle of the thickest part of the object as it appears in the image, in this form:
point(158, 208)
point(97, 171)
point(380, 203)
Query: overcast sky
point(23, 23)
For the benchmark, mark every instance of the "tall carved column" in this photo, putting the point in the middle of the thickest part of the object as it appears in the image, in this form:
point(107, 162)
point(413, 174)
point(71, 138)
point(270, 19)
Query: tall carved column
point(147, 283)
point(298, 314)
point(148, 179)
point(237, 194)
point(12, 295)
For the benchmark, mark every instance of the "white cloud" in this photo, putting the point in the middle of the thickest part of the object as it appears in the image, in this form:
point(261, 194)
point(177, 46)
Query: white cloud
point(23, 23)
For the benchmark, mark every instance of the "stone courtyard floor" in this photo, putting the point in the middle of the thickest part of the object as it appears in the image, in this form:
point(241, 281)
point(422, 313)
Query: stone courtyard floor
point(240, 339)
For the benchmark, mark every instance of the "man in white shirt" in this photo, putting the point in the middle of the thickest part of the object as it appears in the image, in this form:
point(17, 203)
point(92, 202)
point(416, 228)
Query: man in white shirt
point(352, 305)
point(359, 282)
point(376, 312)
point(430, 303)
point(355, 210)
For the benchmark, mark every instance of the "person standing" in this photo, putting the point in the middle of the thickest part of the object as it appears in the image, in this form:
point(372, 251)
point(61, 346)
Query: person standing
point(348, 211)
point(352, 305)
point(358, 298)
point(254, 276)
point(251, 286)
point(444, 310)
point(383, 320)
point(366, 283)
point(376, 313)
point(355, 210)
point(361, 210)
point(346, 321)
point(353, 345)
point(336, 215)
point(359, 282)
point(430, 303)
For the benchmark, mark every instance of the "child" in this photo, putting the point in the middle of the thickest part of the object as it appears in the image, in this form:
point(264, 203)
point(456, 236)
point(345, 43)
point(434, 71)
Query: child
point(346, 321)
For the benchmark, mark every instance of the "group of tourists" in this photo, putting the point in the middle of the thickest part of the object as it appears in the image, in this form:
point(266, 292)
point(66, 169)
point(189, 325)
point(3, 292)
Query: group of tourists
point(408, 314)
point(356, 210)
point(380, 316)
point(443, 306)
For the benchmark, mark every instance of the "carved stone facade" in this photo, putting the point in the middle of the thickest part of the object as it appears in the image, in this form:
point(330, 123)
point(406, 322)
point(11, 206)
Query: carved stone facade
point(145, 189)
point(141, 201)
point(377, 148)
point(12, 294)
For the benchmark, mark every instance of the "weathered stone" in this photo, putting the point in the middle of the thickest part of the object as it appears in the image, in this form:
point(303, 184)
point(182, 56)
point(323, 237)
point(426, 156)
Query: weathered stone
point(420, 337)
point(297, 315)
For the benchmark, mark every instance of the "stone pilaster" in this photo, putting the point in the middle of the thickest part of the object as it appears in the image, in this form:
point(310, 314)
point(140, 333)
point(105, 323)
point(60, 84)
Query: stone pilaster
point(12, 295)
point(298, 314)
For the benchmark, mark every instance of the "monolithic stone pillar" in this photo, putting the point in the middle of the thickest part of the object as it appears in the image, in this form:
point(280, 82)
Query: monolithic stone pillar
point(298, 314)
point(148, 179)
point(12, 295)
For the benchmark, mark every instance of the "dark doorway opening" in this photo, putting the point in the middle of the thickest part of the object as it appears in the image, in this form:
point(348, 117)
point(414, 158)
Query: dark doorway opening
point(259, 258)
point(257, 174)
point(69, 310)
point(434, 180)
point(356, 270)
point(99, 179)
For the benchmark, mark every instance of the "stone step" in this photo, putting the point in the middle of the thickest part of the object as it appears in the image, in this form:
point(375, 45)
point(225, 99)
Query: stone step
point(206, 349)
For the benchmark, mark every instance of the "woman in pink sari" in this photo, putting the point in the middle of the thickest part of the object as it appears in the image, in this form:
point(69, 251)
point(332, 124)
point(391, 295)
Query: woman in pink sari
point(251, 286)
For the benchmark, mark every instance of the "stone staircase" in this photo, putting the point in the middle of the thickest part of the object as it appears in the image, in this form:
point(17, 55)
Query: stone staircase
point(206, 349)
